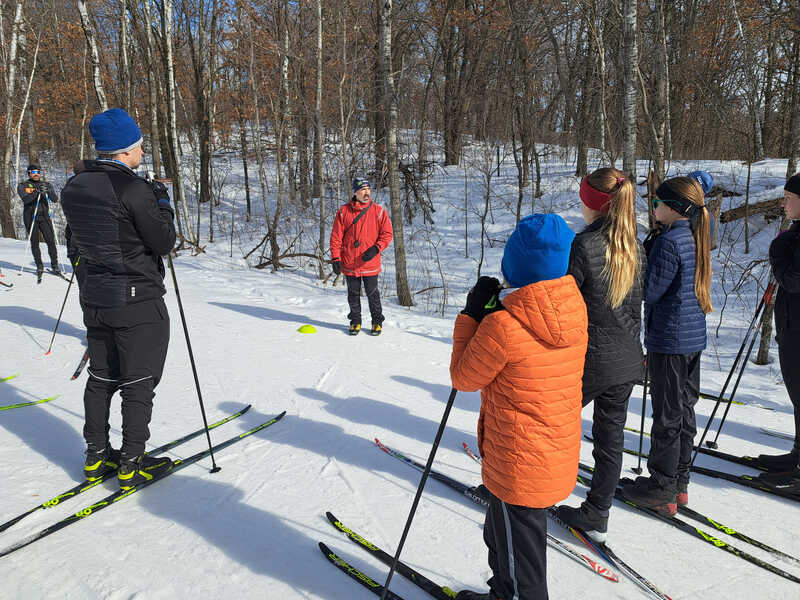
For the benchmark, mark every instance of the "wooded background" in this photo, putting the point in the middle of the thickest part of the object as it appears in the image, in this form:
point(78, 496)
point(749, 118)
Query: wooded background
point(312, 93)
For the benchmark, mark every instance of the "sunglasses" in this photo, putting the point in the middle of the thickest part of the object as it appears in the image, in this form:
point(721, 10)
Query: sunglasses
point(35, 172)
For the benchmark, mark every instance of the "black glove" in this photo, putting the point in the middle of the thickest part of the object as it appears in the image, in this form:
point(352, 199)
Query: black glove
point(482, 299)
point(162, 197)
point(371, 253)
point(337, 265)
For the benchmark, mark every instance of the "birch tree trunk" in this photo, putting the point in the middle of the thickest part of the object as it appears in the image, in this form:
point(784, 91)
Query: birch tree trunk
point(124, 67)
point(794, 148)
point(88, 31)
point(155, 137)
point(403, 293)
point(6, 193)
point(172, 119)
point(631, 65)
point(319, 184)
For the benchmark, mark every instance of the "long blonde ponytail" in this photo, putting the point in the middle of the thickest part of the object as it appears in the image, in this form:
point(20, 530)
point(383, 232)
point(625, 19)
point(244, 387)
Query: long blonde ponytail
point(623, 264)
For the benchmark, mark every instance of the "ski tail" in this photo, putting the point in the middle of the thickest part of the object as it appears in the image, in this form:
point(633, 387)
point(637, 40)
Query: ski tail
point(356, 575)
point(31, 403)
point(437, 591)
point(9, 378)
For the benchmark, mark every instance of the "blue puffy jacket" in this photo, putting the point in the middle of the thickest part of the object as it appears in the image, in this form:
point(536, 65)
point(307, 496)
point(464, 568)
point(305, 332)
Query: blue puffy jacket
point(674, 321)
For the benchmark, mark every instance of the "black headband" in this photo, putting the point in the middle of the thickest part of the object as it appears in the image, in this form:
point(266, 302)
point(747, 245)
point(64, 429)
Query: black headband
point(677, 202)
point(793, 184)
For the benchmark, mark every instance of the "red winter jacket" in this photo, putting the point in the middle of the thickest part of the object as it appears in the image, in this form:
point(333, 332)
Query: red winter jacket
point(373, 229)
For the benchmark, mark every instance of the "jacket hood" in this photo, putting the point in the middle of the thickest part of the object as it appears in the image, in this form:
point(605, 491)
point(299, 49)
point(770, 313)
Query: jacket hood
point(553, 310)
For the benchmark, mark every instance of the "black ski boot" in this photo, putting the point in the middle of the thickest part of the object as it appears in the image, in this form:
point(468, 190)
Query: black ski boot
point(779, 463)
point(470, 595)
point(587, 517)
point(648, 493)
point(100, 461)
point(135, 470)
point(39, 272)
point(788, 482)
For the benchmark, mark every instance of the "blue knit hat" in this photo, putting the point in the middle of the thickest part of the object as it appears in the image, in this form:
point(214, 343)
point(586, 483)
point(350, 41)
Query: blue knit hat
point(359, 183)
point(704, 179)
point(114, 132)
point(537, 250)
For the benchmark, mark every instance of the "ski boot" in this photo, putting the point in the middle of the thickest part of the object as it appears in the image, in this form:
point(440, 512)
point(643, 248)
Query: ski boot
point(100, 462)
point(39, 273)
point(682, 497)
point(646, 492)
point(779, 463)
point(788, 482)
point(587, 517)
point(376, 329)
point(470, 595)
point(136, 470)
point(355, 328)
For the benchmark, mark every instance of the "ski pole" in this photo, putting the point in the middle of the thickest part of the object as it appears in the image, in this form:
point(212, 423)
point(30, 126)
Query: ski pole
point(638, 469)
point(214, 467)
point(63, 304)
point(733, 368)
point(768, 295)
point(33, 222)
point(421, 486)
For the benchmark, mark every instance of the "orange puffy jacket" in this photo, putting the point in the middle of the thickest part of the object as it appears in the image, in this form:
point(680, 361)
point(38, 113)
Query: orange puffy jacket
point(527, 360)
point(373, 229)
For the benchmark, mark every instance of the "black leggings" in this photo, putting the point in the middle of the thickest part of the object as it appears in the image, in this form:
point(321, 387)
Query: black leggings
point(674, 389)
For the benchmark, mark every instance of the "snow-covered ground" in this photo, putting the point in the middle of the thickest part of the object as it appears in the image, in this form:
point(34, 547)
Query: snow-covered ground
point(251, 530)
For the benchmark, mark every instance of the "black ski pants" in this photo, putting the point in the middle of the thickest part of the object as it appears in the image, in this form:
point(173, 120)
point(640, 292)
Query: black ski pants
point(674, 390)
point(373, 298)
point(608, 429)
point(44, 225)
point(789, 356)
point(127, 350)
point(516, 537)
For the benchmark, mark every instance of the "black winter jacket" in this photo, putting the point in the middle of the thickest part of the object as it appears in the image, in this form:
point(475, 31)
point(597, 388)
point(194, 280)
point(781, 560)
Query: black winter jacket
point(120, 231)
point(784, 256)
point(30, 190)
point(614, 354)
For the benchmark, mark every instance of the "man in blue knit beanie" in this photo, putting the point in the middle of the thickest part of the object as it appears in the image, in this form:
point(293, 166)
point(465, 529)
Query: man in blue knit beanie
point(120, 227)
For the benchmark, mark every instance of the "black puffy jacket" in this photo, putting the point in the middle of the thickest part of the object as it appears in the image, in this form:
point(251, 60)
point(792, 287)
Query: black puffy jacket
point(29, 191)
point(120, 231)
point(784, 255)
point(614, 354)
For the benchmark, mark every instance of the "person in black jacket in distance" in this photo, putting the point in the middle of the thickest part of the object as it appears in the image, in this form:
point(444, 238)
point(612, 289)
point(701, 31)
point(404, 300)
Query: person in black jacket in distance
point(784, 255)
point(607, 262)
point(120, 227)
point(31, 191)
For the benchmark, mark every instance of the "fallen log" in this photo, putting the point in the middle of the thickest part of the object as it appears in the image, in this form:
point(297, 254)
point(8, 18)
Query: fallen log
point(770, 208)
